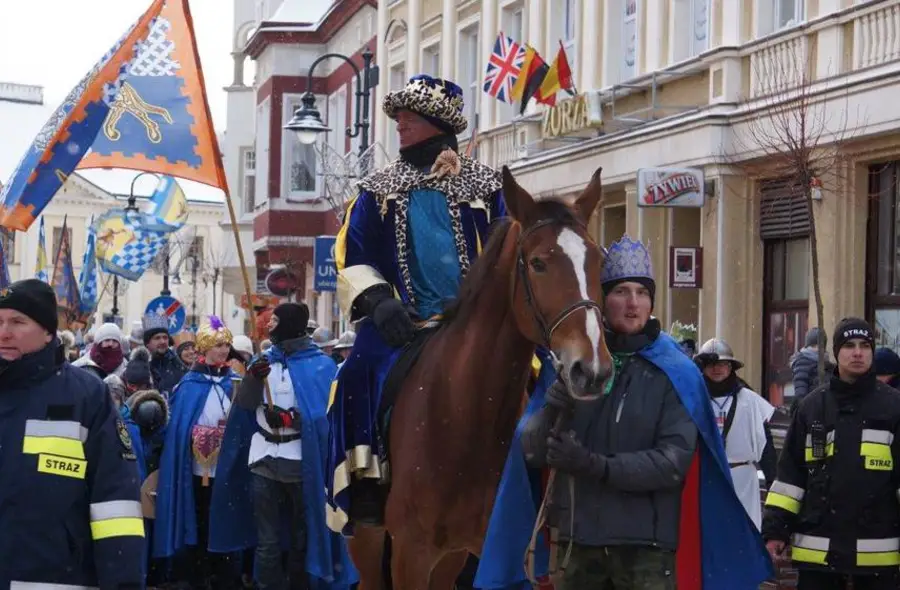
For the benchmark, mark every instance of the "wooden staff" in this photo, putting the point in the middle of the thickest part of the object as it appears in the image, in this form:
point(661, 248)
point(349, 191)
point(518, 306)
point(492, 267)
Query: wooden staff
point(240, 253)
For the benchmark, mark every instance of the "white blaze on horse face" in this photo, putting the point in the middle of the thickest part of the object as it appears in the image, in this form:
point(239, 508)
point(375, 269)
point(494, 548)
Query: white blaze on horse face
point(574, 247)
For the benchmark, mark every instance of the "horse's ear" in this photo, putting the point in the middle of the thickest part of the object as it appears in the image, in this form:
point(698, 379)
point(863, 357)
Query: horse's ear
point(519, 203)
point(587, 201)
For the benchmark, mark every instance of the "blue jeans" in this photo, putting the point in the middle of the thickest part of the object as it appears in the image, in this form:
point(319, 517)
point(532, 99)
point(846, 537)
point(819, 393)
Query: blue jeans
point(279, 509)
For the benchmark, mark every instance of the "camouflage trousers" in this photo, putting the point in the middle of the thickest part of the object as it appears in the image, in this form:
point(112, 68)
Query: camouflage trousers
point(619, 568)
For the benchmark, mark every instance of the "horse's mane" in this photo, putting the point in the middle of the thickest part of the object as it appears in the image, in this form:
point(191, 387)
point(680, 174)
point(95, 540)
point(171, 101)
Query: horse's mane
point(483, 270)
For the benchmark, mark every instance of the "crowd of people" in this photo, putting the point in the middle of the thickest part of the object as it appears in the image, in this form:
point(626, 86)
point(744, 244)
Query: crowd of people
point(133, 462)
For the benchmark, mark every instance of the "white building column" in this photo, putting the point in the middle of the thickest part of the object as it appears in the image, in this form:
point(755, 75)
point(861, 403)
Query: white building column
point(732, 20)
point(413, 36)
point(591, 45)
point(611, 37)
point(654, 46)
point(535, 32)
point(486, 110)
point(384, 76)
point(830, 46)
point(448, 40)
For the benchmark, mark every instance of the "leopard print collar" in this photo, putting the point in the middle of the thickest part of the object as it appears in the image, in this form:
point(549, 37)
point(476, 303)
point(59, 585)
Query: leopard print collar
point(475, 181)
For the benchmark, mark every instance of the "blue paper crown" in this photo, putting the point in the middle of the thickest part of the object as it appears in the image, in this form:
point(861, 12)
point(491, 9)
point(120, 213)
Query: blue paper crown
point(626, 259)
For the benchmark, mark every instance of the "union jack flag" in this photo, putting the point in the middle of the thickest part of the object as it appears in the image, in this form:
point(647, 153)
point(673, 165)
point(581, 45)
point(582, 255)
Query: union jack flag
point(503, 68)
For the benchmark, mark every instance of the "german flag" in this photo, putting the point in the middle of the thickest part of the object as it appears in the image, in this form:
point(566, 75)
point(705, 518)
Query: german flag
point(534, 78)
point(559, 77)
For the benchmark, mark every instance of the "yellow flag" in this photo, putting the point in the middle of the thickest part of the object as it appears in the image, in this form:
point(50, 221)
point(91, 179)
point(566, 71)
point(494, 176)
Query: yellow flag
point(518, 88)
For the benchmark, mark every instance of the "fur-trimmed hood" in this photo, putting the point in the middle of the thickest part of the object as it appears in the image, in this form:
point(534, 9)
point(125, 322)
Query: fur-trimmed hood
point(139, 397)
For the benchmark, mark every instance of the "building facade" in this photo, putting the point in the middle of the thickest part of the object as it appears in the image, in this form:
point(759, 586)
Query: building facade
point(280, 182)
point(701, 84)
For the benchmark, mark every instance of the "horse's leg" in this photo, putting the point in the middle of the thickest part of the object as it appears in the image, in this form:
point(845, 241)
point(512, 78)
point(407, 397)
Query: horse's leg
point(447, 570)
point(366, 548)
point(412, 562)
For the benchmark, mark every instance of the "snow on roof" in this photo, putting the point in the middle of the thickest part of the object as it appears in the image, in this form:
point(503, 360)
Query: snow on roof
point(302, 11)
point(22, 122)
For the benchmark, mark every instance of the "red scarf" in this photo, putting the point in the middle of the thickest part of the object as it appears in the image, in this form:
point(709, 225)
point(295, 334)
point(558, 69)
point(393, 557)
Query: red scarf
point(109, 359)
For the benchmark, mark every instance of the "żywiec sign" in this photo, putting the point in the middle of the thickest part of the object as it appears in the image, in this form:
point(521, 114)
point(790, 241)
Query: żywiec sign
point(671, 187)
point(572, 114)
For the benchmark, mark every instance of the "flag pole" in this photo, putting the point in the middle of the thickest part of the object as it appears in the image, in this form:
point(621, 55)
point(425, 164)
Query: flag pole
point(223, 184)
point(246, 276)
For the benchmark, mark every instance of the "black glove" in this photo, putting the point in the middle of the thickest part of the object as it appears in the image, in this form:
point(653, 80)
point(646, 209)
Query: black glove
point(259, 367)
point(565, 453)
point(558, 397)
point(280, 418)
point(388, 314)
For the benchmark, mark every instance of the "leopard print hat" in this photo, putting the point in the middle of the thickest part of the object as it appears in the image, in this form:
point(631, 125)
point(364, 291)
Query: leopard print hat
point(431, 97)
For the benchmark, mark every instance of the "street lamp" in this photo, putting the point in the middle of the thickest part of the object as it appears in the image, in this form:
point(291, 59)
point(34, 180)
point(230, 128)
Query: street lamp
point(131, 206)
point(307, 122)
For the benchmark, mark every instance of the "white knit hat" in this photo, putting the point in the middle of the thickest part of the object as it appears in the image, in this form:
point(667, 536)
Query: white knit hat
point(242, 343)
point(108, 331)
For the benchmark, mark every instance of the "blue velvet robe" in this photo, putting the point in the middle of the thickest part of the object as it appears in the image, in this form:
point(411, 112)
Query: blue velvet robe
point(233, 528)
point(176, 520)
point(377, 245)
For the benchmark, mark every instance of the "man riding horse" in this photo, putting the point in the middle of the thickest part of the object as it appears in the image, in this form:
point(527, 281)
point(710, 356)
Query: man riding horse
point(407, 240)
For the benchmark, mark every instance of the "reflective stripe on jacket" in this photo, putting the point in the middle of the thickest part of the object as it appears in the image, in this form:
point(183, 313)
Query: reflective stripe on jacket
point(840, 509)
point(70, 515)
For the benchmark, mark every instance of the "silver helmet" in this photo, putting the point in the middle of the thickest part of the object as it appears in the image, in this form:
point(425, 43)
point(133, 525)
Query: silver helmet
point(346, 340)
point(716, 349)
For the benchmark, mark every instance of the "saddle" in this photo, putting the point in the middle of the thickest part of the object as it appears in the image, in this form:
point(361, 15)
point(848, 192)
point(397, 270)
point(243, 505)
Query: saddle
point(406, 360)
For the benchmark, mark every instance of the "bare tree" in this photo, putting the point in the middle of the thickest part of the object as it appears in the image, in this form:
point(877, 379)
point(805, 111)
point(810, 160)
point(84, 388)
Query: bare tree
point(795, 137)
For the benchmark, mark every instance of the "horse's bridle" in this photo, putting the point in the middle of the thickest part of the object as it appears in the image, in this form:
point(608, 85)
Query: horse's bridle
point(546, 328)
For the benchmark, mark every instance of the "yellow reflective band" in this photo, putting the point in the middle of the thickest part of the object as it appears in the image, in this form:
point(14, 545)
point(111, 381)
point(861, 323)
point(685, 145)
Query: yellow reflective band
point(786, 489)
point(876, 450)
point(60, 466)
point(829, 452)
point(781, 501)
point(808, 555)
point(876, 464)
point(117, 527)
point(888, 558)
point(53, 445)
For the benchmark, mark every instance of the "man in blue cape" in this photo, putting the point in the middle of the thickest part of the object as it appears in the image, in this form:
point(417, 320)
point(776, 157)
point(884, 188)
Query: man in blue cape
point(270, 491)
point(188, 466)
point(647, 466)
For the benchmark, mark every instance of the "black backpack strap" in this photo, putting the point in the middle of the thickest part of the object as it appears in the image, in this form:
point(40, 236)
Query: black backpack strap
point(729, 419)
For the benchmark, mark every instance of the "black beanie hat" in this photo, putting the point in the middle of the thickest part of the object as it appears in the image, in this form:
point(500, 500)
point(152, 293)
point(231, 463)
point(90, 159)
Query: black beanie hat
point(647, 282)
point(35, 299)
point(137, 371)
point(292, 320)
point(850, 328)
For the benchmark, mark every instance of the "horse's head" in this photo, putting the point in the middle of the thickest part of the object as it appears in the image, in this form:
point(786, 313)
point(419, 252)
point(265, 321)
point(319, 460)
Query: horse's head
point(557, 296)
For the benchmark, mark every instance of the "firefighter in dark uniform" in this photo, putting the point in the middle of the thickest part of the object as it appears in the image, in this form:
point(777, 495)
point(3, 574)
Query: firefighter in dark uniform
point(70, 516)
point(836, 501)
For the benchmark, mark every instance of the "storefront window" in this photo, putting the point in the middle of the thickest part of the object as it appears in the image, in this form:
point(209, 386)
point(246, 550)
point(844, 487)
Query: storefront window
point(787, 313)
point(884, 254)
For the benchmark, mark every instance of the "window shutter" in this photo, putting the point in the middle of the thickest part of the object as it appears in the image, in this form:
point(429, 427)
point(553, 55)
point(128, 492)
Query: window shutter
point(783, 213)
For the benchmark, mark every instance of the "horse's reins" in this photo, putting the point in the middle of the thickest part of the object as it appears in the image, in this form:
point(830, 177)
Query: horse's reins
point(547, 330)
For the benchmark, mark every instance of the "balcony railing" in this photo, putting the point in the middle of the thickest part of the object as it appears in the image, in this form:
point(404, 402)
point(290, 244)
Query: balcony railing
point(877, 37)
point(779, 66)
point(500, 142)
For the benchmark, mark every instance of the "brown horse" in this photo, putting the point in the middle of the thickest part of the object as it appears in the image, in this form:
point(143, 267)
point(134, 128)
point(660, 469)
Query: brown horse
point(536, 283)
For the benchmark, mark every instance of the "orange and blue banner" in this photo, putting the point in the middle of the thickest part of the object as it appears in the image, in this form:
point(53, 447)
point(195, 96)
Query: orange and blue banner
point(142, 107)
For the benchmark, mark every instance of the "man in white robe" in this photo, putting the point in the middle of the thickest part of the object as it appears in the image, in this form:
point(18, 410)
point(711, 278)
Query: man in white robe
point(743, 418)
